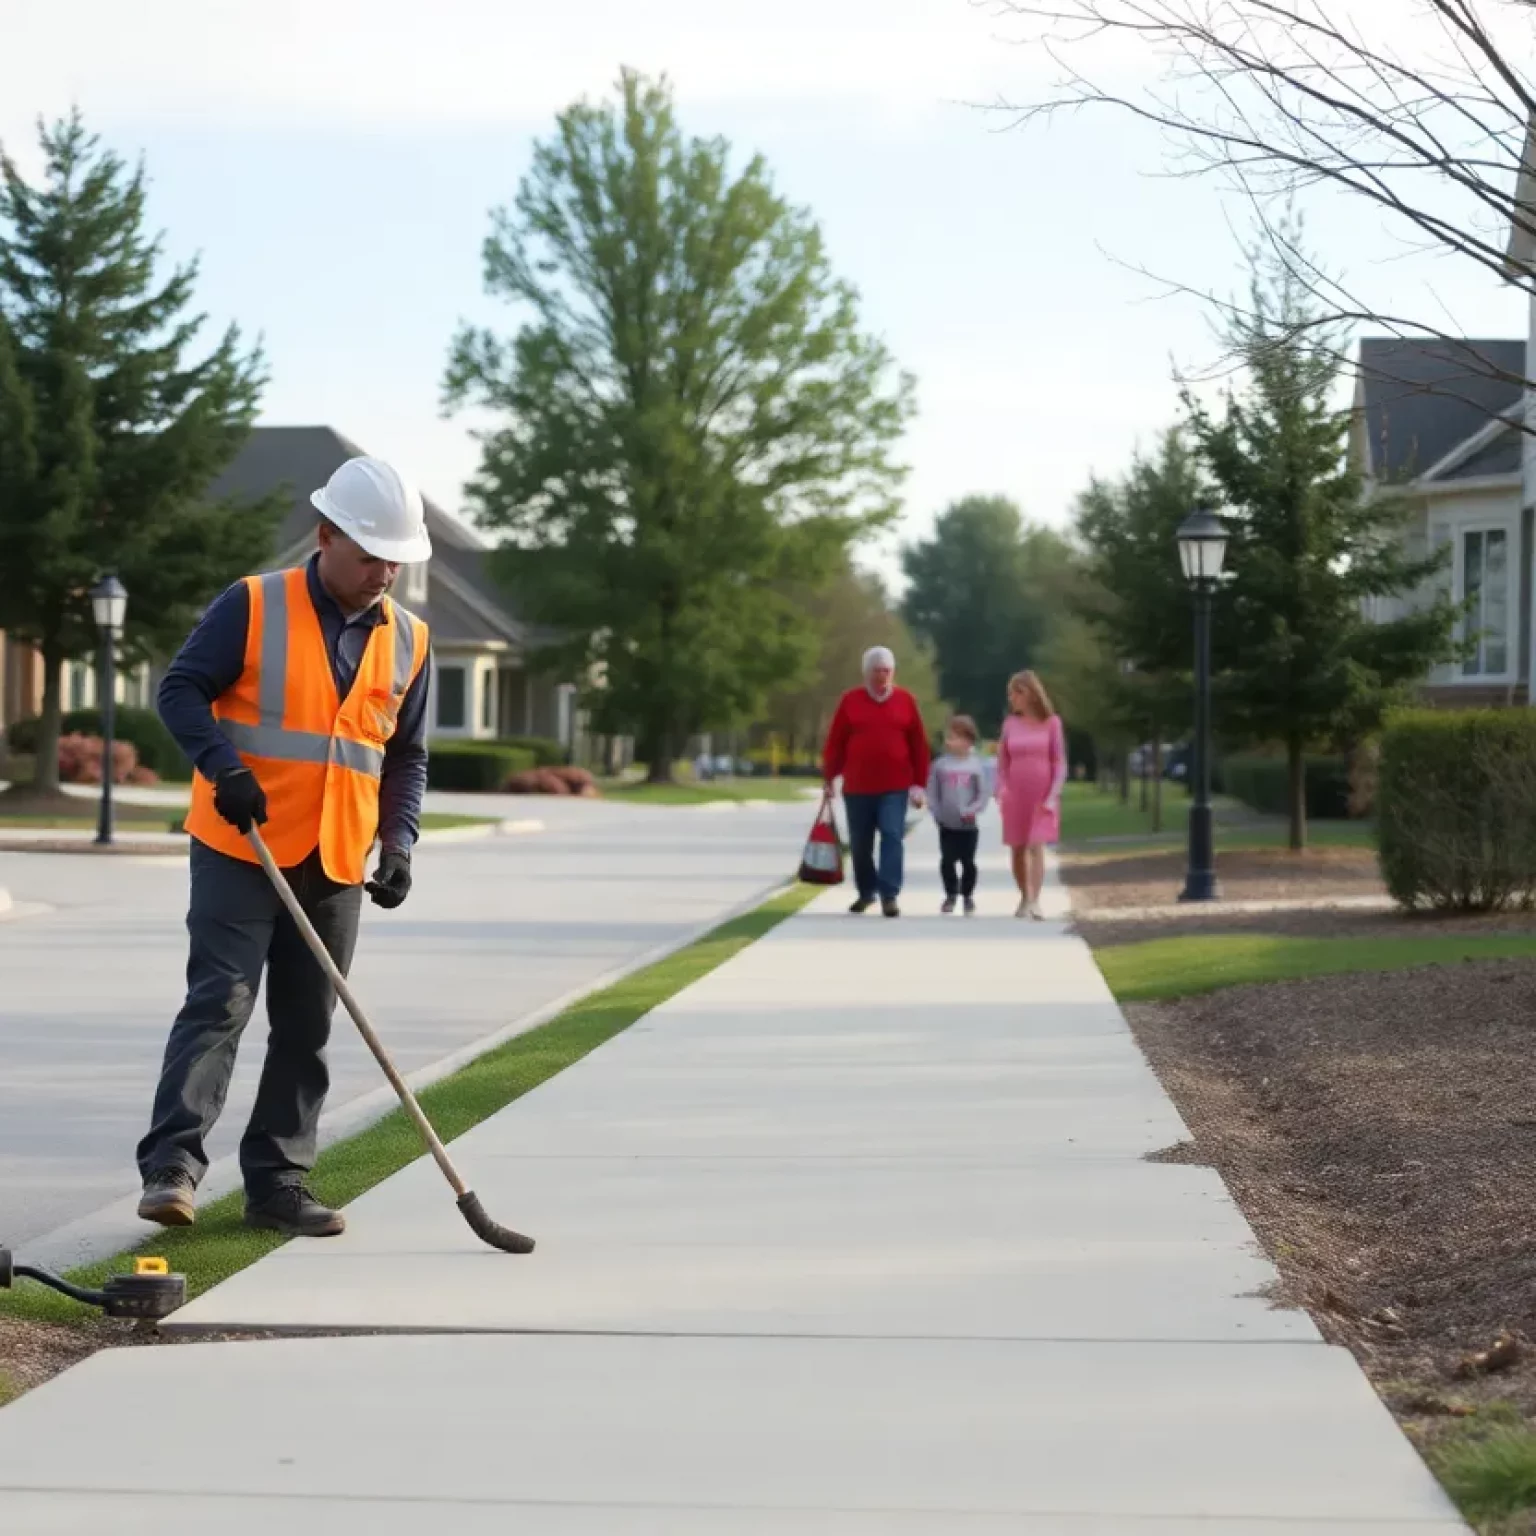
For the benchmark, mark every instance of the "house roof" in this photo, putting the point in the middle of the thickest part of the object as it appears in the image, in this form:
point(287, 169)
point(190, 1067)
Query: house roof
point(1422, 399)
point(1500, 457)
point(465, 604)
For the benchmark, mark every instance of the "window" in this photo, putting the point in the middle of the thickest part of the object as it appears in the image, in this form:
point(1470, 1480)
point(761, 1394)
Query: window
point(1485, 588)
point(413, 584)
point(487, 701)
point(451, 712)
point(77, 685)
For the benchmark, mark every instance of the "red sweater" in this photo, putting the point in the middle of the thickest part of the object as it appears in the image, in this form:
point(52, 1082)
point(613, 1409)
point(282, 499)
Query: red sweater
point(878, 748)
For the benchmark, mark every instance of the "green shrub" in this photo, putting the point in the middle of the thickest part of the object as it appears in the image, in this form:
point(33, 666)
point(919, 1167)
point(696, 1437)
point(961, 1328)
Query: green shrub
point(547, 753)
point(155, 745)
point(1456, 808)
point(21, 735)
point(801, 767)
point(474, 765)
point(1265, 784)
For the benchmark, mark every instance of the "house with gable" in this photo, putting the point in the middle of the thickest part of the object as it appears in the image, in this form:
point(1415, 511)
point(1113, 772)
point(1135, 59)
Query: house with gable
point(1451, 422)
point(484, 682)
point(484, 685)
point(1440, 420)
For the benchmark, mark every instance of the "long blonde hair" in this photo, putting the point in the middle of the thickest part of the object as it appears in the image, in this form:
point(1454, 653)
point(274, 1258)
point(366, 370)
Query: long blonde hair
point(1028, 682)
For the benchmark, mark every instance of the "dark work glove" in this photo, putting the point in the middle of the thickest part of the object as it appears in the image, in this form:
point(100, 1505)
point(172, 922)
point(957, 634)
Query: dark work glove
point(240, 799)
point(391, 882)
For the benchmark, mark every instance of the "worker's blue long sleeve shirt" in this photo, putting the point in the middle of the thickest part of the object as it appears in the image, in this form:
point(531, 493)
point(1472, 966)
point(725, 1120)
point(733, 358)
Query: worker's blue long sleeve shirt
point(212, 658)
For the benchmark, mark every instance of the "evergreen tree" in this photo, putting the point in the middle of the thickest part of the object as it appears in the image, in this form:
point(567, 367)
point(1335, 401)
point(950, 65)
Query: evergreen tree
point(1298, 658)
point(688, 425)
point(109, 433)
point(1135, 596)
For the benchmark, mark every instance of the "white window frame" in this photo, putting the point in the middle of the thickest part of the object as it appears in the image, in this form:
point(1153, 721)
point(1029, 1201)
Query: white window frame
point(413, 584)
point(466, 669)
point(1460, 529)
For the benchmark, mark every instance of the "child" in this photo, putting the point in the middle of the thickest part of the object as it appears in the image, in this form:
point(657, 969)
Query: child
point(957, 794)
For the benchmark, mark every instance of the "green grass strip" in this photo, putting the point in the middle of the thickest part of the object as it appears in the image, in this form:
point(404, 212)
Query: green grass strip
point(1158, 969)
point(220, 1245)
point(1489, 1469)
point(708, 793)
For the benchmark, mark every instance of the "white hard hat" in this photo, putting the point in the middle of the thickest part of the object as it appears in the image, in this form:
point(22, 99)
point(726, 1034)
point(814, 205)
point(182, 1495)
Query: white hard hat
point(378, 510)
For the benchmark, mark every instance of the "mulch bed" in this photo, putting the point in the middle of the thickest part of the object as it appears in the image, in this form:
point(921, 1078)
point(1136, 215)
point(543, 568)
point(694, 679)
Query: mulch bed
point(1379, 1133)
point(1378, 1130)
point(1099, 881)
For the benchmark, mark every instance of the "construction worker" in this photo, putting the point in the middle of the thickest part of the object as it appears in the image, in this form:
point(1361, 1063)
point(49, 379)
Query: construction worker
point(301, 700)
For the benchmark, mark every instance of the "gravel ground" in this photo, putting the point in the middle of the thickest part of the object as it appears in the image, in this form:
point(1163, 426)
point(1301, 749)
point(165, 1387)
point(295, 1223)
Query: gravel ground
point(31, 1353)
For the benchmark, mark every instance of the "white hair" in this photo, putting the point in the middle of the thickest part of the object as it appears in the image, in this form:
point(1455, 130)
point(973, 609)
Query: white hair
point(878, 656)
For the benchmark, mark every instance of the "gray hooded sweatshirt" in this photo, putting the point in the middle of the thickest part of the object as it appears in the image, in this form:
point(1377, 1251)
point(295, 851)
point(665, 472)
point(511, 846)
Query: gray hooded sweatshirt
point(957, 789)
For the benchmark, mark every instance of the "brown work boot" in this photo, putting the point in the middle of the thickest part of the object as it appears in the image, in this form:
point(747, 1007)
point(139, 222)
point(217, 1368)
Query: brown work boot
point(167, 1198)
point(293, 1211)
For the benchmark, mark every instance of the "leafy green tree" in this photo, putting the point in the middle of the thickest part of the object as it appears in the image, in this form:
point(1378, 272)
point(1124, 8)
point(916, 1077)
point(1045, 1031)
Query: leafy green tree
point(688, 423)
point(847, 614)
point(984, 591)
point(1300, 661)
point(109, 432)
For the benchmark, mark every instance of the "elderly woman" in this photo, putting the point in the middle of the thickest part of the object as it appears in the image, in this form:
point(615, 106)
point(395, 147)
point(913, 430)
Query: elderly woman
point(878, 746)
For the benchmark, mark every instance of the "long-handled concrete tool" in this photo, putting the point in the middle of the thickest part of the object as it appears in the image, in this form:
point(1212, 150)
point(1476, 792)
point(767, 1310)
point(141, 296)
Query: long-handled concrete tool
point(484, 1228)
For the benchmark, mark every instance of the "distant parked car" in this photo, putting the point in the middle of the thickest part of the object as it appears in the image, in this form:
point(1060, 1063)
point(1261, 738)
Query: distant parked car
point(1140, 760)
point(1177, 763)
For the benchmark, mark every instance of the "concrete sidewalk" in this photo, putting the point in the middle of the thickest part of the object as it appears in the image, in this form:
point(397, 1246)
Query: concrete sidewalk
point(855, 1235)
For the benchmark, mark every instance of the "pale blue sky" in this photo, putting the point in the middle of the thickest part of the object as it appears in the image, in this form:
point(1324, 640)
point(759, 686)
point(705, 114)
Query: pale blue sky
point(334, 162)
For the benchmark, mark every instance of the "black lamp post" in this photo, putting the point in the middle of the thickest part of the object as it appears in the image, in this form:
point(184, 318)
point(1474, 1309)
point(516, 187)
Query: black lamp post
point(1202, 547)
point(109, 604)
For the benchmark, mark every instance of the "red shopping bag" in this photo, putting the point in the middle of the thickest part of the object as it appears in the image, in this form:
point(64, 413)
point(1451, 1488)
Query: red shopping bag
point(822, 861)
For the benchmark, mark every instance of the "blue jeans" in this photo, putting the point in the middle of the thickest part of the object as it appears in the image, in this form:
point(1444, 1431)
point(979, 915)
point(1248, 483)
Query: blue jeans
point(867, 816)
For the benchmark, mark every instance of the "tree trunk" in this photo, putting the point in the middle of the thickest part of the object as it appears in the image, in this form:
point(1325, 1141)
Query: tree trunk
point(1157, 778)
point(655, 749)
point(1125, 776)
point(1144, 787)
point(45, 772)
point(1297, 765)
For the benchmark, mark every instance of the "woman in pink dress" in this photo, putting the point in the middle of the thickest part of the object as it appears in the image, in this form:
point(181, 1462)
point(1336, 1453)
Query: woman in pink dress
point(1031, 768)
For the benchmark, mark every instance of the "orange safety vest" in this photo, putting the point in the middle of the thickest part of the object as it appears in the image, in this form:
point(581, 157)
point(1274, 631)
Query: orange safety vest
point(318, 757)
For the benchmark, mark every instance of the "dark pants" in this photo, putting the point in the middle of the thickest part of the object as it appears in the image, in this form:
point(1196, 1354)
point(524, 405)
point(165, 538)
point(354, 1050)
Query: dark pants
point(957, 860)
point(239, 927)
point(869, 815)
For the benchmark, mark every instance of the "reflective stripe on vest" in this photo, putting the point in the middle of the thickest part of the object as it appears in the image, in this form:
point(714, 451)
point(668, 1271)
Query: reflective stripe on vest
point(270, 738)
point(322, 780)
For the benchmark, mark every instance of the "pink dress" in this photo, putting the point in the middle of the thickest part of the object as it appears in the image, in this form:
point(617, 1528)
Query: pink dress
point(1031, 769)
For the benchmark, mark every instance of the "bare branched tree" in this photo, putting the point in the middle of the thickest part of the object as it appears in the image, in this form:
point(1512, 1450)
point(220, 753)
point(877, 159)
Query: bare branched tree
point(1421, 109)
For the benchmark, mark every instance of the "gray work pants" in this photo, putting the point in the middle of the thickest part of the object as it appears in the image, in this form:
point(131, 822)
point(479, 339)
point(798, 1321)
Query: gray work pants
point(238, 928)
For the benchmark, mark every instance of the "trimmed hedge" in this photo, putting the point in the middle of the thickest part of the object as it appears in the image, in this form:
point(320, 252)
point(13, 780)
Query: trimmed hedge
point(547, 753)
point(1265, 784)
point(156, 747)
point(1456, 809)
point(474, 765)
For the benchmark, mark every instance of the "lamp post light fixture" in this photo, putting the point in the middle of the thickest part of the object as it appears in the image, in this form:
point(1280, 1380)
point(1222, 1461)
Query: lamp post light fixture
point(1202, 548)
point(109, 605)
